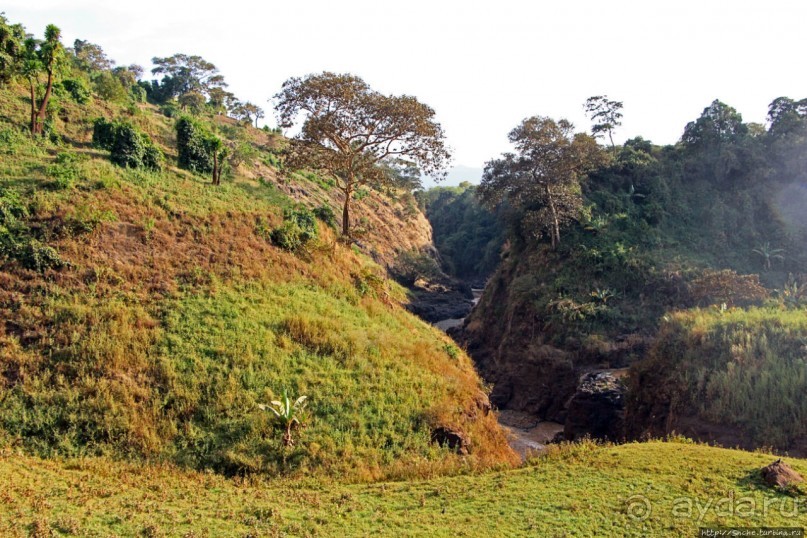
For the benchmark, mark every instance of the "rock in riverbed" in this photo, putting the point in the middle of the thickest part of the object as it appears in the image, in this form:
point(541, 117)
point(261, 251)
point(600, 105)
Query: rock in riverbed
point(597, 408)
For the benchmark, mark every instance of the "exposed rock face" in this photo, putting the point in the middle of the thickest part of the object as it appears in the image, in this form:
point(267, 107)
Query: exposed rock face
point(512, 343)
point(436, 301)
point(779, 474)
point(597, 408)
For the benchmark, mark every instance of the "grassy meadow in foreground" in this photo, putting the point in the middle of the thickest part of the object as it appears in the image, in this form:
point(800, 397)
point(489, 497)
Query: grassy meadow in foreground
point(639, 489)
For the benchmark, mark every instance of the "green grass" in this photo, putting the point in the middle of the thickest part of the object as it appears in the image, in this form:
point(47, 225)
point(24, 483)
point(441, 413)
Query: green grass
point(580, 490)
point(740, 367)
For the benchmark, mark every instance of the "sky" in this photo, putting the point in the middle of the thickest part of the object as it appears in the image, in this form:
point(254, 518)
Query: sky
point(483, 66)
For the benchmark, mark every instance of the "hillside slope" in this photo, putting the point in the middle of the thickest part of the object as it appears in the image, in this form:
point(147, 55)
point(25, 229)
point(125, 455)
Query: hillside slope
point(710, 222)
point(147, 314)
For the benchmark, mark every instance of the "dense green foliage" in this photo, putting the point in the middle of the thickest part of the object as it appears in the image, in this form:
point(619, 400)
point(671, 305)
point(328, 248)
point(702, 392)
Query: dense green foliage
point(715, 220)
point(655, 218)
point(193, 146)
point(199, 149)
point(128, 147)
point(468, 236)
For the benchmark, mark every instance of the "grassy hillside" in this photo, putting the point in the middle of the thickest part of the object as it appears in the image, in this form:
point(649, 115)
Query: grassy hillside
point(738, 374)
point(648, 489)
point(147, 314)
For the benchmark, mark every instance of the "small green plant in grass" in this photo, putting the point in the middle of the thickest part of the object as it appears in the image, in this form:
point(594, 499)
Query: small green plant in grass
point(289, 415)
point(793, 294)
point(452, 351)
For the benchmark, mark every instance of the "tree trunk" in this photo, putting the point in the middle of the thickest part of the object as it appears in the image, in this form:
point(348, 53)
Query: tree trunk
point(43, 106)
point(346, 214)
point(33, 108)
point(555, 233)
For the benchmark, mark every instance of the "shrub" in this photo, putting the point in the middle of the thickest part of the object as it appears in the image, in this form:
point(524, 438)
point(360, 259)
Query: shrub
point(138, 94)
point(129, 147)
point(298, 229)
point(108, 87)
point(726, 286)
point(170, 110)
point(77, 89)
point(11, 140)
point(325, 214)
point(37, 256)
point(193, 146)
point(12, 211)
point(242, 152)
point(103, 134)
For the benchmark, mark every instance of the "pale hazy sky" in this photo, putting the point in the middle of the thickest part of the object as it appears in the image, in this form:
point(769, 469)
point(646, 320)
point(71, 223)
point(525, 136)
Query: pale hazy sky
point(483, 66)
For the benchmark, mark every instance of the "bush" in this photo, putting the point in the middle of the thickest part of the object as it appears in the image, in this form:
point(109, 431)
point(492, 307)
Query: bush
point(325, 214)
point(12, 213)
point(77, 89)
point(298, 229)
point(34, 255)
point(138, 94)
point(103, 134)
point(108, 87)
point(193, 147)
point(129, 147)
point(726, 286)
point(11, 140)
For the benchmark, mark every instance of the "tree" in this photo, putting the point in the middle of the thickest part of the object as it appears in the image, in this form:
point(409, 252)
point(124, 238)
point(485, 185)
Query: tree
point(247, 111)
point(218, 151)
point(199, 150)
point(193, 102)
point(768, 253)
point(12, 39)
point(605, 114)
point(218, 99)
point(718, 143)
point(42, 57)
point(787, 116)
point(184, 74)
point(349, 130)
point(718, 125)
point(542, 180)
point(91, 57)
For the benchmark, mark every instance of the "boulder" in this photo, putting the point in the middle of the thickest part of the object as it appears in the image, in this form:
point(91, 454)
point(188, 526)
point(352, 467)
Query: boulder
point(597, 408)
point(779, 474)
